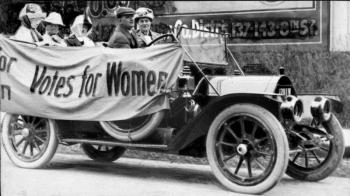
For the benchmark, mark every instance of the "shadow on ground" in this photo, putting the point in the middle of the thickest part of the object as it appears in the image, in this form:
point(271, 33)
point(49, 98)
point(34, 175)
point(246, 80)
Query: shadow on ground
point(137, 170)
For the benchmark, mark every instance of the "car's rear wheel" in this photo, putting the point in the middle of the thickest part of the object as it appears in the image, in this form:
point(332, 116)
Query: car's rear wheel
point(30, 142)
point(320, 154)
point(247, 149)
point(103, 153)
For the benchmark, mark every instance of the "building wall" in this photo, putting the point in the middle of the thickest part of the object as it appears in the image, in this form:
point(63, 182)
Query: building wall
point(340, 26)
point(302, 25)
point(337, 34)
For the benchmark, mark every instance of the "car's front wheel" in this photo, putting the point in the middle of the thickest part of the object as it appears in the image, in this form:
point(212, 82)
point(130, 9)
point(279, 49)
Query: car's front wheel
point(30, 142)
point(247, 149)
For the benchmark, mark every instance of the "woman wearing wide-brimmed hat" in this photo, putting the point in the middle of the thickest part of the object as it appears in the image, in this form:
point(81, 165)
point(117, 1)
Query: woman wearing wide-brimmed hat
point(80, 28)
point(30, 16)
point(143, 19)
point(52, 27)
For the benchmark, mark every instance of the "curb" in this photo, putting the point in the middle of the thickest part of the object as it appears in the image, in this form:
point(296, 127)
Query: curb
point(346, 133)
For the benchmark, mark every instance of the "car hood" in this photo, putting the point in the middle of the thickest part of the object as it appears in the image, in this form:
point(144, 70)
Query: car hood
point(250, 84)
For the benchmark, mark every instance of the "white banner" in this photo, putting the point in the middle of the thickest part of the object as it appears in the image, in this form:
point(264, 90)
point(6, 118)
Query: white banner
point(77, 83)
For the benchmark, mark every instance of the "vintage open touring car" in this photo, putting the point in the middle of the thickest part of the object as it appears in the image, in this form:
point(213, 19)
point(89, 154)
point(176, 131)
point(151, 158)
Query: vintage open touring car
point(252, 129)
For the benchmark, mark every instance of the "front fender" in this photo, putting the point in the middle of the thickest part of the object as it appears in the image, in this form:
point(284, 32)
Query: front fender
point(199, 126)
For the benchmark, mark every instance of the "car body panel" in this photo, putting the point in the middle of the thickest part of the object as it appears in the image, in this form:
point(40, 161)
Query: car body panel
point(248, 84)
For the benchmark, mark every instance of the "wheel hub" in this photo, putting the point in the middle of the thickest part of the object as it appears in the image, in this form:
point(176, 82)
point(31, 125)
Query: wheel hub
point(242, 149)
point(25, 132)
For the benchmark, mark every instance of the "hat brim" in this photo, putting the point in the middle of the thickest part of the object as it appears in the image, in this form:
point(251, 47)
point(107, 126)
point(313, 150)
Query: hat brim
point(126, 14)
point(151, 19)
point(46, 23)
point(36, 15)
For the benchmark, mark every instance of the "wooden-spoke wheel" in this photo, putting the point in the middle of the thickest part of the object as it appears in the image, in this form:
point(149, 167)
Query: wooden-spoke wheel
point(30, 142)
point(247, 149)
point(102, 152)
point(319, 153)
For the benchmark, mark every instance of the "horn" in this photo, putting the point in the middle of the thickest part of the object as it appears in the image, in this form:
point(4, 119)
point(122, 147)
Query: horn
point(321, 108)
point(292, 109)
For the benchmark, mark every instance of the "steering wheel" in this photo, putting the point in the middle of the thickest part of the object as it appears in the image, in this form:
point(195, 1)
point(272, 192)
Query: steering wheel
point(162, 37)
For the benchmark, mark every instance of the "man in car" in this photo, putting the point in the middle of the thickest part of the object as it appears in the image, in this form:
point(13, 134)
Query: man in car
point(124, 35)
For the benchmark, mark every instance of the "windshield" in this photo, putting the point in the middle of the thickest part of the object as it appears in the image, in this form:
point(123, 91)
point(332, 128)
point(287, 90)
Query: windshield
point(204, 47)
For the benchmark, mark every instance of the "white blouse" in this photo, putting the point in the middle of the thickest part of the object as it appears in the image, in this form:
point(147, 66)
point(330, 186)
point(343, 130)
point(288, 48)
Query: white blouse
point(25, 34)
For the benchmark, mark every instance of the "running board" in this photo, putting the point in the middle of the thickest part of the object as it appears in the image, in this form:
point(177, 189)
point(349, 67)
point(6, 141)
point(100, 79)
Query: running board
point(112, 143)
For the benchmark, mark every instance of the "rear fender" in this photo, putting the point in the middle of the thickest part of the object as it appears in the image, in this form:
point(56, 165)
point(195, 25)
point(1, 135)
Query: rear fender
point(199, 126)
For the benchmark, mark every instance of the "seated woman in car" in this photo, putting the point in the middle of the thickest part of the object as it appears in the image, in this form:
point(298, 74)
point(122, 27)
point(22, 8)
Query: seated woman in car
point(143, 19)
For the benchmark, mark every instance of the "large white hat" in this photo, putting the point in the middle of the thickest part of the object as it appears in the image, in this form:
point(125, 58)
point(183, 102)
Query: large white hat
point(54, 18)
point(143, 12)
point(31, 10)
point(78, 23)
point(80, 20)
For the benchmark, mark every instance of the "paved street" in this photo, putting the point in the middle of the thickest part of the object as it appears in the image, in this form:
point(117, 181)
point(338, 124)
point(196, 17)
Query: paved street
point(77, 175)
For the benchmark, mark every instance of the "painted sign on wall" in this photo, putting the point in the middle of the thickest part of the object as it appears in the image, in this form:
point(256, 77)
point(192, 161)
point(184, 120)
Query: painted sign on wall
point(249, 23)
point(103, 16)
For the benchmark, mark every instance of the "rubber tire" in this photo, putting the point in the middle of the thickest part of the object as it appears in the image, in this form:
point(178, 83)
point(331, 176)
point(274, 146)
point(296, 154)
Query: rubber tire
point(46, 156)
point(103, 156)
point(332, 162)
point(269, 121)
point(138, 134)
